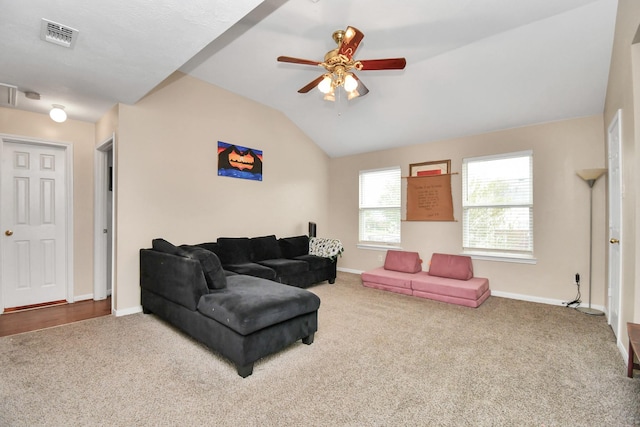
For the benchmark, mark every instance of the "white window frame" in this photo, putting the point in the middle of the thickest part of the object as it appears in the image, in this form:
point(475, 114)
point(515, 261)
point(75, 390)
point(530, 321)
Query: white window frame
point(372, 243)
point(512, 254)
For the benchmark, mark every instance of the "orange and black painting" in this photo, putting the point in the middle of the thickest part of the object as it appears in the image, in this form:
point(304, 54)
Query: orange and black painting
point(239, 162)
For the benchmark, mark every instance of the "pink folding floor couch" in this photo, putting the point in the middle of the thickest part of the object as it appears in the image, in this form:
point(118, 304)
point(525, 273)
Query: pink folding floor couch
point(449, 279)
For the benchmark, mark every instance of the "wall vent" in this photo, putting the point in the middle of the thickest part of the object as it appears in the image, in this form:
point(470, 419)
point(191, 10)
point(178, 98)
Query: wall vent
point(8, 95)
point(59, 34)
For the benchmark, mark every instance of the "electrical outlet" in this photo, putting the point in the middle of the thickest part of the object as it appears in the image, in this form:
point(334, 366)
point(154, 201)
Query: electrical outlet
point(380, 258)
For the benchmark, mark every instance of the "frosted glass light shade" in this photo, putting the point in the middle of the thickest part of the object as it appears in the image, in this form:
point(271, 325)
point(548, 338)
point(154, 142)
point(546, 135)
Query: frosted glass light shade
point(57, 113)
point(350, 83)
point(325, 85)
point(591, 174)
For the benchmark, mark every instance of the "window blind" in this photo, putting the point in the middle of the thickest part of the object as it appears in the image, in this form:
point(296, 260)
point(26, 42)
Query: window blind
point(497, 203)
point(380, 206)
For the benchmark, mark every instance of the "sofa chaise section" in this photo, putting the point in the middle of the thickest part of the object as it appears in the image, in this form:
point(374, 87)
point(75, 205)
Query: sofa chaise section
point(243, 318)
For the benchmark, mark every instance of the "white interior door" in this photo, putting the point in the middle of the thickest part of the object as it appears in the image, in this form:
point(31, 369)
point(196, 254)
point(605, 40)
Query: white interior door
point(615, 221)
point(34, 224)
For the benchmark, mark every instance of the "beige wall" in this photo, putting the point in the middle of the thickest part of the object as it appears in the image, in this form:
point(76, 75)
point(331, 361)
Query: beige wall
point(623, 75)
point(561, 207)
point(81, 135)
point(167, 183)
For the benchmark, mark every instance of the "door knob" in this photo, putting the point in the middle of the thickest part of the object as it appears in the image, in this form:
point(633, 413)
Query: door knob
point(8, 232)
point(614, 240)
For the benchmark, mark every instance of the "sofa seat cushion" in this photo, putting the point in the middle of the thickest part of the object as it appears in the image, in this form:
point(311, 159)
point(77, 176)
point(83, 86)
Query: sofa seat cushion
point(472, 289)
point(286, 267)
point(249, 304)
point(452, 266)
point(407, 262)
point(252, 269)
point(396, 279)
point(315, 262)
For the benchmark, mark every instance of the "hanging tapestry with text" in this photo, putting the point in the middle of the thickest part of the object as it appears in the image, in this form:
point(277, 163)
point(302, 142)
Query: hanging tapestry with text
point(429, 198)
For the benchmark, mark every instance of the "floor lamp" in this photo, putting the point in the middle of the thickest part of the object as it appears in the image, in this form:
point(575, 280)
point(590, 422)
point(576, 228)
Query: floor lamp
point(590, 176)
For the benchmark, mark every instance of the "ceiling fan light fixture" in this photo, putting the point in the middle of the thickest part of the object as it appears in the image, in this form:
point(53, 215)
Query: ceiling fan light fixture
point(350, 83)
point(326, 84)
point(330, 96)
point(353, 94)
point(57, 113)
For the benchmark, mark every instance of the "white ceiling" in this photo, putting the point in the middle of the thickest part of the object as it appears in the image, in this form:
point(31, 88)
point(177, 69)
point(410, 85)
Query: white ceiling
point(473, 66)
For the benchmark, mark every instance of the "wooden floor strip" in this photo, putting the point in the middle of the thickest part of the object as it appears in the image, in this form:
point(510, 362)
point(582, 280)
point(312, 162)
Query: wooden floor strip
point(30, 320)
point(33, 306)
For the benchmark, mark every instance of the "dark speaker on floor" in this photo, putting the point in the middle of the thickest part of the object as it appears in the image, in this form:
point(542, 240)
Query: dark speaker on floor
point(312, 229)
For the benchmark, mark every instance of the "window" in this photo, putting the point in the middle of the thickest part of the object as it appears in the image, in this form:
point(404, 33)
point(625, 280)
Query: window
point(380, 206)
point(497, 205)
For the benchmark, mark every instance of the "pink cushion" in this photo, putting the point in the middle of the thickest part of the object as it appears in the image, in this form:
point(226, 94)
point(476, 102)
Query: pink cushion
point(451, 266)
point(454, 300)
point(381, 276)
point(407, 262)
point(472, 289)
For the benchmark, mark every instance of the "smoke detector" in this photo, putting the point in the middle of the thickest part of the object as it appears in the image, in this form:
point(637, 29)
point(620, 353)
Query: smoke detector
point(8, 96)
point(59, 34)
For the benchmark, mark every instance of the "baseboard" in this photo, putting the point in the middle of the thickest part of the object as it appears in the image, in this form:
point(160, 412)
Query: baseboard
point(128, 311)
point(82, 297)
point(349, 270)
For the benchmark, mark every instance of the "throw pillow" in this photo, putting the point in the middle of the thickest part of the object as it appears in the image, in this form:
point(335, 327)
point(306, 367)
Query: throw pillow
point(162, 245)
point(211, 267)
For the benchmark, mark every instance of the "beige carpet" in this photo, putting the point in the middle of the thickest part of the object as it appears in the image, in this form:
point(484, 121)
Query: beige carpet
point(379, 359)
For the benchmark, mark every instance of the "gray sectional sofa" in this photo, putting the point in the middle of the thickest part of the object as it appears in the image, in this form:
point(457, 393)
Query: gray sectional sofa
point(242, 317)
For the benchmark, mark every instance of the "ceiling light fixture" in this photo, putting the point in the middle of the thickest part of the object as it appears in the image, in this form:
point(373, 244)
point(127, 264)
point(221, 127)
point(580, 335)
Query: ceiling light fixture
point(32, 95)
point(339, 77)
point(57, 113)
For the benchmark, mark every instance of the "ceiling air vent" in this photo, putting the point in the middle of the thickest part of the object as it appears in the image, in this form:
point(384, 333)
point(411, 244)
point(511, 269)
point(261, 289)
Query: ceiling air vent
point(59, 34)
point(8, 96)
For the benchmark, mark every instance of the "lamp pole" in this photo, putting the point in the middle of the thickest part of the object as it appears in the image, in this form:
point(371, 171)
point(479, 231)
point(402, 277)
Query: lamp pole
point(590, 176)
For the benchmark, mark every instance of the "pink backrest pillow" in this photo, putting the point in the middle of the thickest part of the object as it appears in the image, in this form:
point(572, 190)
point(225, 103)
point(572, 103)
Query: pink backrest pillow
point(451, 266)
point(407, 262)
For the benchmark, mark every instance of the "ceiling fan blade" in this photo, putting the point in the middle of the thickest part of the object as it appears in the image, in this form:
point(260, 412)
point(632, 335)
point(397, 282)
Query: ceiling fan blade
point(297, 60)
point(362, 89)
point(383, 64)
point(350, 42)
point(311, 85)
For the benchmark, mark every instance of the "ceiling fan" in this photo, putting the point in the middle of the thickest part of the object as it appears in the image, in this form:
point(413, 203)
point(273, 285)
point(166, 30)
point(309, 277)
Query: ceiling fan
point(339, 64)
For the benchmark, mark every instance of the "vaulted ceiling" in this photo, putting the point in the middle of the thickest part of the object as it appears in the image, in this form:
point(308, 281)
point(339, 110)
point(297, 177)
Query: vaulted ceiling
point(473, 66)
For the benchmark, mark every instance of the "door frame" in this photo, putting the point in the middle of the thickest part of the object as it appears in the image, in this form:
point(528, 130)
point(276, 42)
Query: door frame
point(101, 243)
point(68, 150)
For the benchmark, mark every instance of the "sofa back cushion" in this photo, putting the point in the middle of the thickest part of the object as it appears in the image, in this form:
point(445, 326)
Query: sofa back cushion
point(451, 266)
point(407, 262)
point(211, 267)
point(210, 246)
point(292, 247)
point(175, 278)
point(265, 247)
point(234, 250)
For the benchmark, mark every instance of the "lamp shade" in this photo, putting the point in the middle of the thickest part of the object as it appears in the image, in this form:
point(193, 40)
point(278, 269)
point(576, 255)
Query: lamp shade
point(591, 174)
